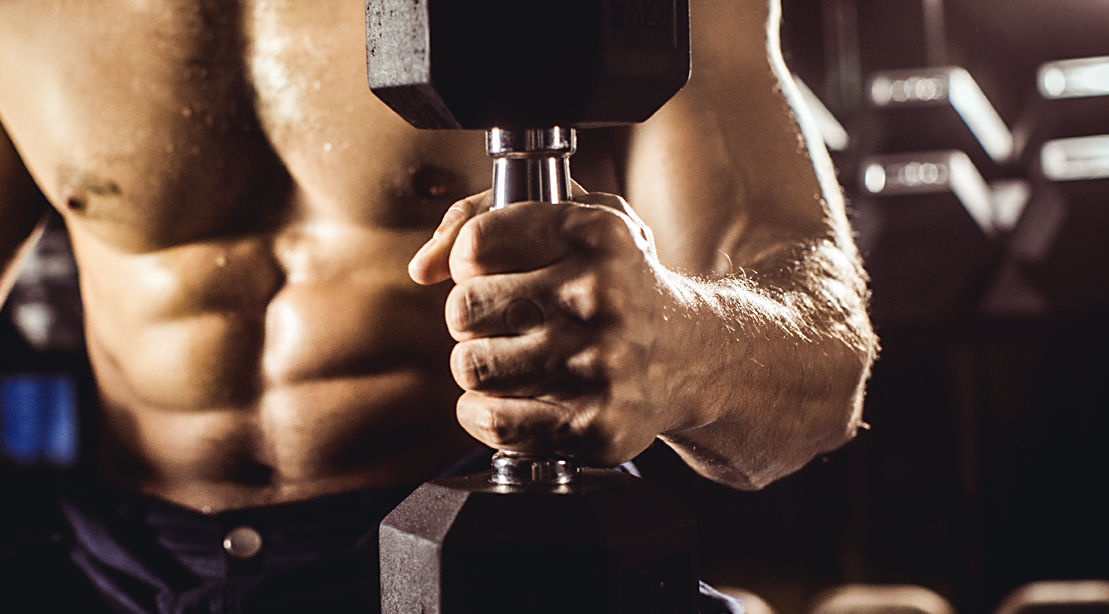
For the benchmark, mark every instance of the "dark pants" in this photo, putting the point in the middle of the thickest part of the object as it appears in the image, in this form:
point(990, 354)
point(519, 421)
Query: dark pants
point(148, 556)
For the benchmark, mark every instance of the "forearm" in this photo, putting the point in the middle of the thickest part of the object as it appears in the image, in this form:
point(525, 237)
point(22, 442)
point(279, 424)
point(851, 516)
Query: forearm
point(764, 356)
point(766, 366)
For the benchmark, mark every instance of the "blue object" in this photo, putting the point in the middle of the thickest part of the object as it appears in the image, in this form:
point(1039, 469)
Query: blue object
point(38, 419)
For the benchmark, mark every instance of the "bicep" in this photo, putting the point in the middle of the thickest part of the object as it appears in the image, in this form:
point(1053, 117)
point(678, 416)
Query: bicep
point(722, 173)
point(22, 211)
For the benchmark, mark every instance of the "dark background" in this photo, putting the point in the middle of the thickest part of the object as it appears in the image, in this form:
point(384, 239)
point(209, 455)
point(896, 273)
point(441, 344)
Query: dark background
point(985, 467)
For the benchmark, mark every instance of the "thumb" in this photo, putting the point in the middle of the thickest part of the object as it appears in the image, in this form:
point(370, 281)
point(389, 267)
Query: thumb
point(431, 264)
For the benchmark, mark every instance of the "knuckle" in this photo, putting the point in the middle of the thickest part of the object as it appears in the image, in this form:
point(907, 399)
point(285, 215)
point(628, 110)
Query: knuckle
point(592, 431)
point(499, 424)
point(611, 221)
point(580, 299)
point(471, 369)
point(609, 229)
point(456, 214)
point(492, 422)
point(586, 364)
point(582, 222)
point(471, 240)
point(465, 307)
point(592, 296)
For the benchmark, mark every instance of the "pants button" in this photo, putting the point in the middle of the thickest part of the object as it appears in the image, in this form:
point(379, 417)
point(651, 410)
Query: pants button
point(242, 542)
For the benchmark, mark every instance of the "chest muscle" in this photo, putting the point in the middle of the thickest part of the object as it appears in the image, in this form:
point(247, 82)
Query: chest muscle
point(159, 123)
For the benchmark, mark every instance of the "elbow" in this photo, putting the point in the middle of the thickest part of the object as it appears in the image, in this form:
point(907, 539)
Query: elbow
point(842, 404)
point(824, 417)
point(814, 410)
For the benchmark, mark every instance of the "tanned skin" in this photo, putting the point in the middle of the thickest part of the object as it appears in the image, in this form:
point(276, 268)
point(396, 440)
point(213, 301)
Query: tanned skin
point(268, 321)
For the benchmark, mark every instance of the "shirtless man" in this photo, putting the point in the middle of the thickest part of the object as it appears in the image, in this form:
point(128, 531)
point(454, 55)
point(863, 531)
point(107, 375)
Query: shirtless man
point(265, 311)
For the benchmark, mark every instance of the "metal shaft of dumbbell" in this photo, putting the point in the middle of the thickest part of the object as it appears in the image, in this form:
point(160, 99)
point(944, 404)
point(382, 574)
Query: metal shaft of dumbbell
point(519, 469)
point(530, 164)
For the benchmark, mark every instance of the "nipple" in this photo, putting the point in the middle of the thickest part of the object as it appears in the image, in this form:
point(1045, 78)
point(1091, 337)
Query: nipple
point(76, 186)
point(76, 203)
point(433, 182)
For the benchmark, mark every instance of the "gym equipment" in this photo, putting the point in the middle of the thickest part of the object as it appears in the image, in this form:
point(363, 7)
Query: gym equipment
point(527, 72)
point(533, 534)
point(575, 540)
point(1057, 597)
point(880, 599)
point(938, 108)
point(929, 213)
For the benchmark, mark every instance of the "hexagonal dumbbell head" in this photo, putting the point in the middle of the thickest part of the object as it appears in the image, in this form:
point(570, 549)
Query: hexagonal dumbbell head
point(612, 543)
point(482, 64)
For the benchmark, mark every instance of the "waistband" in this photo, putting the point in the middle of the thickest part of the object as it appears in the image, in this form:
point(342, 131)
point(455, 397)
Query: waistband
point(141, 551)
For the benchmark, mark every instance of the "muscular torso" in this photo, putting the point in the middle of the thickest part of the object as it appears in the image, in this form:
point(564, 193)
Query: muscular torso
point(242, 210)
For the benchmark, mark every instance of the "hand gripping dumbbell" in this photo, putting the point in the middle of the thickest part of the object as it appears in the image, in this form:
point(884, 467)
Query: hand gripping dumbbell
point(534, 534)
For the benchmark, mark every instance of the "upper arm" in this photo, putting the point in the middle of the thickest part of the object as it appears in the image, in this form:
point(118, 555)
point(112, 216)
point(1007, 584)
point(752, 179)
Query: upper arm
point(723, 173)
point(22, 211)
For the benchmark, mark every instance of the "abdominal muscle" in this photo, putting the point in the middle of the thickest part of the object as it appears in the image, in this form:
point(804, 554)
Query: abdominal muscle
point(272, 368)
point(242, 210)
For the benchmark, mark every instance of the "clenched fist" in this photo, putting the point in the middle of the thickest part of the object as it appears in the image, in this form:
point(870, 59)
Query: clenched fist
point(558, 312)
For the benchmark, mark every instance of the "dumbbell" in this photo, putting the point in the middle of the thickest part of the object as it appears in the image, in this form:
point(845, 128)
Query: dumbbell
point(528, 72)
point(534, 533)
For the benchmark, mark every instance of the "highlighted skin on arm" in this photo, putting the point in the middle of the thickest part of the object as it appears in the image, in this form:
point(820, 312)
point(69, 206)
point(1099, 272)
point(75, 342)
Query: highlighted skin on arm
point(743, 200)
point(22, 214)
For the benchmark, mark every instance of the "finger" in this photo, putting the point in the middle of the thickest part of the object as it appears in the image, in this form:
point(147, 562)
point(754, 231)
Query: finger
point(542, 426)
point(496, 305)
point(642, 234)
point(526, 365)
point(522, 425)
point(521, 237)
point(603, 199)
point(431, 264)
point(529, 236)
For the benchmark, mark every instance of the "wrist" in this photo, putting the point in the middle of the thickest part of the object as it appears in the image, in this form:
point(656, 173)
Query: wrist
point(684, 359)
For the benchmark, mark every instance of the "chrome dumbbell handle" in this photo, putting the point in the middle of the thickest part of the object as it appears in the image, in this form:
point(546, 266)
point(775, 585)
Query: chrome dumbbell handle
point(516, 469)
point(530, 164)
